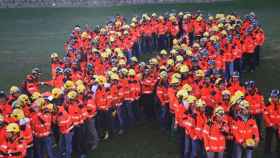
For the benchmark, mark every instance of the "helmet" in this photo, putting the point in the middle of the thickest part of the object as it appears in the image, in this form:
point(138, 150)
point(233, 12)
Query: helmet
point(219, 111)
point(56, 92)
point(250, 142)
point(69, 85)
point(179, 58)
point(235, 74)
point(13, 127)
point(59, 70)
point(72, 95)
point(36, 95)
point(23, 99)
point(274, 93)
point(17, 114)
point(226, 92)
point(36, 71)
point(40, 102)
point(134, 59)
point(114, 76)
point(81, 88)
point(14, 89)
point(176, 75)
point(170, 62)
point(244, 104)
point(236, 97)
point(200, 103)
point(1, 118)
point(162, 68)
point(153, 61)
point(187, 87)
point(190, 99)
point(54, 55)
point(121, 62)
point(49, 107)
point(124, 71)
point(199, 73)
point(101, 80)
point(173, 51)
point(163, 52)
point(184, 69)
point(174, 80)
point(131, 72)
point(163, 74)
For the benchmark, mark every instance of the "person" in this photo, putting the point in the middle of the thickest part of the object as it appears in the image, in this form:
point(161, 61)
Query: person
point(12, 144)
point(245, 131)
point(41, 123)
point(214, 134)
point(271, 119)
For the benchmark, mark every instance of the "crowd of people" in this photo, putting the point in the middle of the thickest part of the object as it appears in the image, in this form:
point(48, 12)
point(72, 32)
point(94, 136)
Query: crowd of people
point(191, 86)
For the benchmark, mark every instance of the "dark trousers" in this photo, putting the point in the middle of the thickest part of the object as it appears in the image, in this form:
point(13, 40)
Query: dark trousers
point(105, 121)
point(79, 145)
point(270, 133)
point(148, 106)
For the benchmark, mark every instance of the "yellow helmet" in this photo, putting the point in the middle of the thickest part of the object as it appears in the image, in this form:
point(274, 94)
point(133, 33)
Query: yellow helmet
point(182, 93)
point(163, 52)
point(121, 62)
point(179, 58)
point(187, 87)
point(81, 88)
point(1, 118)
point(175, 41)
point(226, 92)
point(200, 103)
point(196, 45)
point(14, 89)
point(114, 69)
point(56, 92)
point(114, 76)
point(79, 82)
point(174, 80)
point(101, 80)
point(206, 34)
point(244, 104)
point(236, 97)
point(163, 74)
point(23, 99)
point(173, 51)
point(190, 99)
point(219, 111)
point(50, 107)
point(153, 61)
point(177, 75)
point(170, 62)
point(69, 85)
point(17, 114)
point(134, 59)
point(189, 52)
point(131, 72)
point(40, 102)
point(36, 95)
point(54, 55)
point(184, 69)
point(199, 73)
point(13, 127)
point(84, 35)
point(250, 142)
point(72, 95)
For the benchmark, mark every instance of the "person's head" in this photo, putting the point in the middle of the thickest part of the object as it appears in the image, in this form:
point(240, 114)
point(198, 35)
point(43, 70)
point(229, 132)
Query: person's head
point(3, 97)
point(13, 131)
point(274, 96)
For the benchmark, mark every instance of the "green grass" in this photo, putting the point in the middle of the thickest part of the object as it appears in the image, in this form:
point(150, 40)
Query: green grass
point(28, 36)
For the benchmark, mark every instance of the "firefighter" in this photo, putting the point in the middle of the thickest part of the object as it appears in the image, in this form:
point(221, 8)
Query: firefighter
point(245, 131)
point(12, 143)
point(41, 123)
point(271, 119)
point(214, 134)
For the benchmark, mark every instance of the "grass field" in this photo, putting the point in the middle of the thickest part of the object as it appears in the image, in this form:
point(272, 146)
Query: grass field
point(28, 36)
